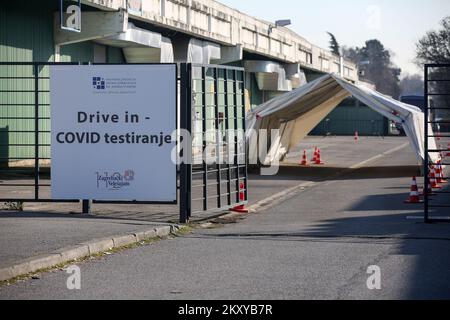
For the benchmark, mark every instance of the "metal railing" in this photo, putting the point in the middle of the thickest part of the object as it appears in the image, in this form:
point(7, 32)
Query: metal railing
point(437, 115)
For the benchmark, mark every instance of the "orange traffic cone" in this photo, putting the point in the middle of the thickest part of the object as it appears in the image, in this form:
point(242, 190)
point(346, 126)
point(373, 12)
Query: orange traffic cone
point(356, 136)
point(440, 173)
point(314, 158)
point(304, 161)
point(414, 194)
point(433, 180)
point(241, 208)
point(318, 160)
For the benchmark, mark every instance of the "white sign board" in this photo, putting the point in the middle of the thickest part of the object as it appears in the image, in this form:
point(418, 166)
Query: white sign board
point(112, 132)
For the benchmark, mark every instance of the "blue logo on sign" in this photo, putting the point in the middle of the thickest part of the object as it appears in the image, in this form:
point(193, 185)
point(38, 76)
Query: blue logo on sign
point(98, 83)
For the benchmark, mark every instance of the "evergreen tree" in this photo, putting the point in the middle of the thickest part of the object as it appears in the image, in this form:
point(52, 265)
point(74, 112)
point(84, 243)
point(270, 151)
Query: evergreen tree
point(334, 45)
point(375, 65)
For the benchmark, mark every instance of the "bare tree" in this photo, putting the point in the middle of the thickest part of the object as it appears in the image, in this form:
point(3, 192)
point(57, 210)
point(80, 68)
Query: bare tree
point(434, 47)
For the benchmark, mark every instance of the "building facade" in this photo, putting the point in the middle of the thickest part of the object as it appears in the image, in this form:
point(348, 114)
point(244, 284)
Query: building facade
point(275, 58)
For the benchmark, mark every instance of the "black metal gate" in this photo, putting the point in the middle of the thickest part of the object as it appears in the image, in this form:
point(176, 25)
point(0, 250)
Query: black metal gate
point(213, 112)
point(25, 132)
point(437, 115)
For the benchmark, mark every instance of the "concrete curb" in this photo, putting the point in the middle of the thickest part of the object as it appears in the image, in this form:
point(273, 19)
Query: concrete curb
point(82, 250)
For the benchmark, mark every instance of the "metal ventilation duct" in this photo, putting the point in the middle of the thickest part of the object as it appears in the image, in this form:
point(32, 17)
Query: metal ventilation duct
point(141, 46)
point(270, 75)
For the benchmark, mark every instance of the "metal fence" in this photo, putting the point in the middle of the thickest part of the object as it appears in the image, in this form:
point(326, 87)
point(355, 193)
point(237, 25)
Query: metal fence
point(437, 114)
point(25, 132)
point(212, 103)
point(213, 111)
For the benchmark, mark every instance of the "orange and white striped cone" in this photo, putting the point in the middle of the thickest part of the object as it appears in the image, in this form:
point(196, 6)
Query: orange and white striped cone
point(414, 194)
point(440, 175)
point(241, 208)
point(433, 180)
point(304, 161)
point(318, 158)
point(314, 158)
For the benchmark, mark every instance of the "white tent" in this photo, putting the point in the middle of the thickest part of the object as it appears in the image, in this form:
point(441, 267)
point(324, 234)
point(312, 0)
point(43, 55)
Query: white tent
point(297, 112)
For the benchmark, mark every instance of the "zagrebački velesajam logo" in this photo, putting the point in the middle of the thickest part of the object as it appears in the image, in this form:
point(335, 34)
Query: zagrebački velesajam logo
point(114, 181)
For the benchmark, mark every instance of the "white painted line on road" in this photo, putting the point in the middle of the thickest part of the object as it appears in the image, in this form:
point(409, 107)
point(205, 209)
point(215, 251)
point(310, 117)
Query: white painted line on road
point(378, 156)
point(280, 196)
point(421, 218)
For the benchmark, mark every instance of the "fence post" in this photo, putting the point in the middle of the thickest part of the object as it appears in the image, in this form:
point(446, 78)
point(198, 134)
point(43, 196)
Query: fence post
point(426, 160)
point(186, 124)
point(86, 206)
point(36, 131)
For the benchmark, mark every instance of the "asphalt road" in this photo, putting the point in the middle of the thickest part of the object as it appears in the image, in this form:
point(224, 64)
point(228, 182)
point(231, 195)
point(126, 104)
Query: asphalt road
point(316, 245)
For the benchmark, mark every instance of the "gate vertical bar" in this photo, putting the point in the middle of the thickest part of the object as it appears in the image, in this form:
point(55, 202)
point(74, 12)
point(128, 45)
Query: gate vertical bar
point(426, 160)
point(236, 139)
point(204, 137)
point(36, 130)
point(186, 152)
point(227, 135)
point(244, 140)
point(218, 139)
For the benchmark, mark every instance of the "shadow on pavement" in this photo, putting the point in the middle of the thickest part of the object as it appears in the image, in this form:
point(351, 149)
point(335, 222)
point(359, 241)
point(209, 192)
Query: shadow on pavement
point(317, 173)
point(384, 202)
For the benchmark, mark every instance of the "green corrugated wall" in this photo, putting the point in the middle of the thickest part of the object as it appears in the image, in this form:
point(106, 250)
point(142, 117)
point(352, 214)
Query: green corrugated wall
point(351, 116)
point(26, 34)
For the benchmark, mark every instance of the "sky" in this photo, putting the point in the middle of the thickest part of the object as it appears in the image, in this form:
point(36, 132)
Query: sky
point(398, 24)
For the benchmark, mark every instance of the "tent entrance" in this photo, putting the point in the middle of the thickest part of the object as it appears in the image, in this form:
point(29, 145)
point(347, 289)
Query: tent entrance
point(296, 113)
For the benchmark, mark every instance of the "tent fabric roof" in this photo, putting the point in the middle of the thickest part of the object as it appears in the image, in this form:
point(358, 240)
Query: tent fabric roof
point(297, 112)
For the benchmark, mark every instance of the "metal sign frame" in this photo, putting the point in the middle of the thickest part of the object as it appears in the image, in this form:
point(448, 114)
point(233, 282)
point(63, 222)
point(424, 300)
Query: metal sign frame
point(37, 132)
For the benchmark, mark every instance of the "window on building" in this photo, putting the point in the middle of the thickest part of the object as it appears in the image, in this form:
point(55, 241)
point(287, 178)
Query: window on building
point(347, 71)
point(325, 64)
point(305, 56)
point(337, 67)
